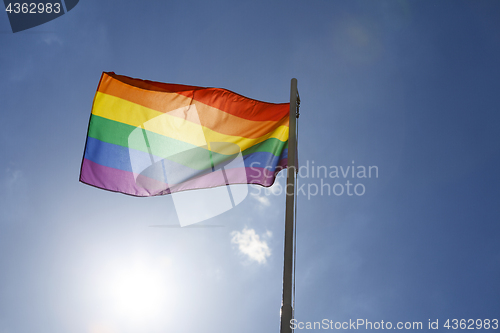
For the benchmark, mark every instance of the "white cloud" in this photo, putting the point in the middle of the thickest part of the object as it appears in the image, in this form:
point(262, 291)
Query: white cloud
point(263, 200)
point(51, 39)
point(14, 177)
point(250, 244)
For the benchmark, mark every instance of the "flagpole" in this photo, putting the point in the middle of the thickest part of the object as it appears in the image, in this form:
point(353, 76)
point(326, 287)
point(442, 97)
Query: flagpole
point(286, 305)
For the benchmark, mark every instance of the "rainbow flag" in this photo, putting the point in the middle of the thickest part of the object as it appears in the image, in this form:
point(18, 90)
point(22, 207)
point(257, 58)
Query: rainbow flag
point(148, 138)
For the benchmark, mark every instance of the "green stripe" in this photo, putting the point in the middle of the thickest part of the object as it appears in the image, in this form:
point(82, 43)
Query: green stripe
point(161, 146)
point(272, 145)
point(118, 133)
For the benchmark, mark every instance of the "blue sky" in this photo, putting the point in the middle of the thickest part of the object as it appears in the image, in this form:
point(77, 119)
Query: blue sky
point(409, 87)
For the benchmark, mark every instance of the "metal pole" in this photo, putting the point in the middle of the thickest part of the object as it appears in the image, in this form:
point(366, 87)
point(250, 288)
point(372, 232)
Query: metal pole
point(286, 305)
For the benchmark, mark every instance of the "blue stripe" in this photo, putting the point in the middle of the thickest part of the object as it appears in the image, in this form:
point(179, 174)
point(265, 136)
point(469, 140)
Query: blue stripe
point(119, 157)
point(110, 155)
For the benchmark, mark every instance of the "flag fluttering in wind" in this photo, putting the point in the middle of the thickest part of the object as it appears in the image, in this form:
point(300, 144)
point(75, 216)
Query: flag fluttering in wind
point(148, 138)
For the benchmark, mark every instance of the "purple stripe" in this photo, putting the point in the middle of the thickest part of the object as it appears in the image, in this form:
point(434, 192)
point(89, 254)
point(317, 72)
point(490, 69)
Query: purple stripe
point(112, 179)
point(124, 181)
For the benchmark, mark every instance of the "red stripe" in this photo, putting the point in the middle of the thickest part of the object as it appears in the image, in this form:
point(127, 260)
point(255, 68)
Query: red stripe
point(222, 99)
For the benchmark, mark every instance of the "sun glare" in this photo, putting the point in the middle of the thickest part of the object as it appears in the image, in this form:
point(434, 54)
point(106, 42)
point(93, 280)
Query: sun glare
point(138, 292)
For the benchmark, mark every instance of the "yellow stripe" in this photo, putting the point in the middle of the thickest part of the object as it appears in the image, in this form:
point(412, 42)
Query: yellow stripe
point(126, 112)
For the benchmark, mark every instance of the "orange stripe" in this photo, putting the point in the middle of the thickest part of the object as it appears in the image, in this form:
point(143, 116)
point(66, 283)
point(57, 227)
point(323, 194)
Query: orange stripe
point(221, 99)
point(210, 117)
